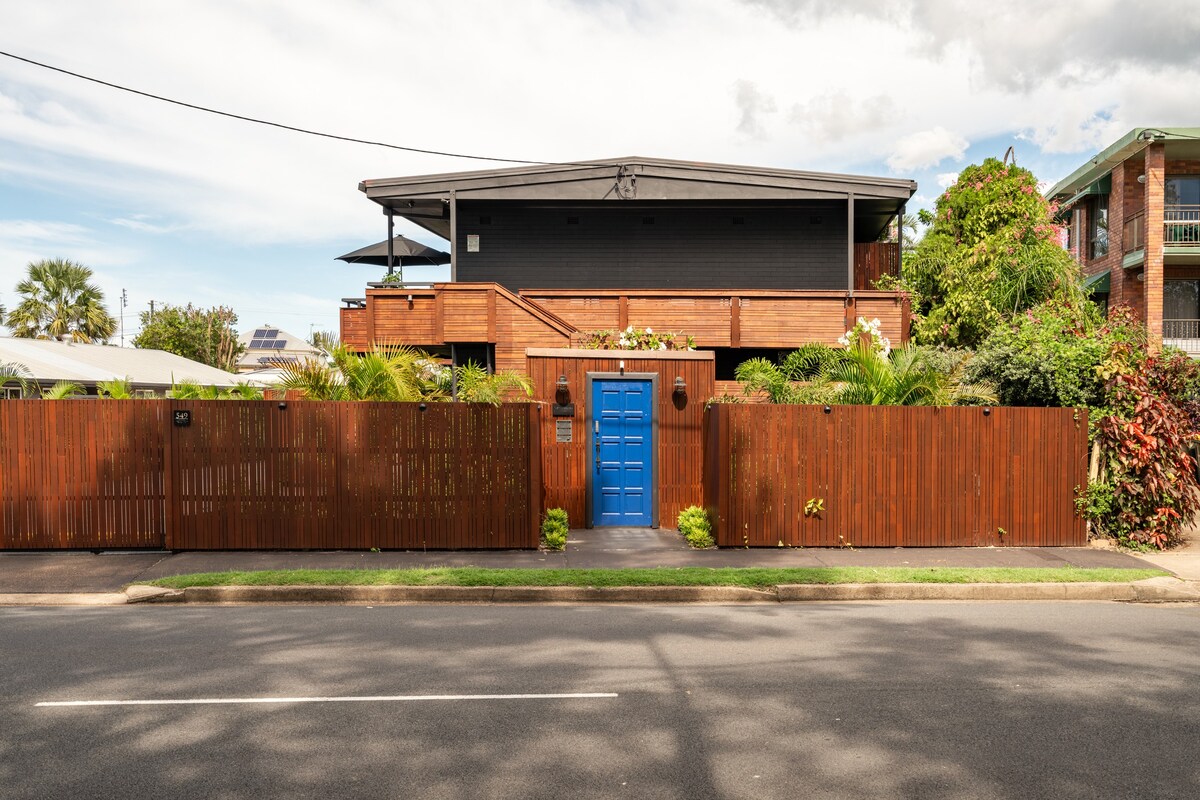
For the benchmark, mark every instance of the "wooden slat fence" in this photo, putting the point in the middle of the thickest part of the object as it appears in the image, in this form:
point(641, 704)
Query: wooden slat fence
point(81, 474)
point(895, 477)
point(252, 475)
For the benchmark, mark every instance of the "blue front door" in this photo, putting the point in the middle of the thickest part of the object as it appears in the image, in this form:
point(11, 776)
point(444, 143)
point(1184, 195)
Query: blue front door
point(622, 452)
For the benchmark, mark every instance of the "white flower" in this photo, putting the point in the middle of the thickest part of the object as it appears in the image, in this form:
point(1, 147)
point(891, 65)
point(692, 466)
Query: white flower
point(844, 341)
point(649, 331)
point(662, 345)
point(629, 329)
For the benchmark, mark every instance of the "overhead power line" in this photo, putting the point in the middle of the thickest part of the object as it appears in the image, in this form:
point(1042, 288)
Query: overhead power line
point(256, 121)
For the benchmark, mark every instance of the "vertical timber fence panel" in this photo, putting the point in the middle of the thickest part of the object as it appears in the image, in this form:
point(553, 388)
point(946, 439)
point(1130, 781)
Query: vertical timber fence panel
point(81, 474)
point(253, 475)
point(894, 476)
point(95, 474)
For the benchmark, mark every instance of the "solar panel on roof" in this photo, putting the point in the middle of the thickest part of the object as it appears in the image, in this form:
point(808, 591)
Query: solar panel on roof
point(255, 344)
point(260, 333)
point(282, 343)
point(269, 334)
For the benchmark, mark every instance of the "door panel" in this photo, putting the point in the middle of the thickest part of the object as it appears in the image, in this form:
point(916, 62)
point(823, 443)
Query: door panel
point(622, 414)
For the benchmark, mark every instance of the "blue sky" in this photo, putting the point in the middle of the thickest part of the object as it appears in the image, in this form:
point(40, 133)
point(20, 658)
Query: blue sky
point(173, 205)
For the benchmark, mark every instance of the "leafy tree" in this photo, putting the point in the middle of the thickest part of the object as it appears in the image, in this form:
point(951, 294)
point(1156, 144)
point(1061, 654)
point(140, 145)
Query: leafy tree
point(1050, 355)
point(59, 301)
point(324, 340)
point(204, 335)
point(990, 252)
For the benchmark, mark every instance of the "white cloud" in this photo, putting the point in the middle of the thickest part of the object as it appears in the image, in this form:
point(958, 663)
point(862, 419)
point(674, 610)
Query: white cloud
point(176, 191)
point(926, 148)
point(946, 179)
point(753, 105)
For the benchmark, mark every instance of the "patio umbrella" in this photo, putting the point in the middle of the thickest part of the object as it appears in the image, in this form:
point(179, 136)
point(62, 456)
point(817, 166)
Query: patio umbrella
point(405, 253)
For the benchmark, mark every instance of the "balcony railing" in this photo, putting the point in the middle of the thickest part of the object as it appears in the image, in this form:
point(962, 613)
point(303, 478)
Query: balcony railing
point(1181, 328)
point(1181, 226)
point(1133, 233)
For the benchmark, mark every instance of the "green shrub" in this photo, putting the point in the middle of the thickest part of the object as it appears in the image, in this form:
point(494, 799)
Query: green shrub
point(695, 527)
point(554, 529)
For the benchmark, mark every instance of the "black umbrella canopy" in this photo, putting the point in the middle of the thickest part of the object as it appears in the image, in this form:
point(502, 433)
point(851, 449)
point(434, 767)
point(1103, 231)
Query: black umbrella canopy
point(406, 253)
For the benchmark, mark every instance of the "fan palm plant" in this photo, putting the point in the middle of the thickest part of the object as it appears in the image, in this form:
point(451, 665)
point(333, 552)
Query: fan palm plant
point(903, 378)
point(861, 375)
point(119, 389)
point(475, 384)
point(59, 301)
point(188, 389)
point(16, 373)
point(63, 390)
point(387, 373)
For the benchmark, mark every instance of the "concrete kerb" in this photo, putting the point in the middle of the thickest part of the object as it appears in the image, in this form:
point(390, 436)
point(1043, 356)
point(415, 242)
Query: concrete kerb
point(1152, 590)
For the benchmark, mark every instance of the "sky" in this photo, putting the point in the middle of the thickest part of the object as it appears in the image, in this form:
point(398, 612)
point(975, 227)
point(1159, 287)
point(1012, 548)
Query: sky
point(174, 205)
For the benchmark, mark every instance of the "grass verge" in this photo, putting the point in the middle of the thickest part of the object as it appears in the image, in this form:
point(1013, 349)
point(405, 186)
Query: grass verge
point(686, 576)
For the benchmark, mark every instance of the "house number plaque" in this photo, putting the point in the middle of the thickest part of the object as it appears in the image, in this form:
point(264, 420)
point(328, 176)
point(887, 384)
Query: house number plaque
point(182, 418)
point(562, 430)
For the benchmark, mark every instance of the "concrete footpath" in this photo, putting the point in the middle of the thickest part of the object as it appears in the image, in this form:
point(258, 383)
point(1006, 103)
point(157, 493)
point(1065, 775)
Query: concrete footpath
point(100, 579)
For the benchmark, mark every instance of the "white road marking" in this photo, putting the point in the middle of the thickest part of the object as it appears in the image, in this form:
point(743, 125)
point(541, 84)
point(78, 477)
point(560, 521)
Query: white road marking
point(395, 698)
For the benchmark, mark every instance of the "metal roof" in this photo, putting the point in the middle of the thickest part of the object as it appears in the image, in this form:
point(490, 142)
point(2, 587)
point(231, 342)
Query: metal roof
point(89, 364)
point(424, 199)
point(1077, 184)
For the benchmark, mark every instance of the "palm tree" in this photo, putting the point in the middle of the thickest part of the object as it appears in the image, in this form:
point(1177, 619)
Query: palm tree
point(387, 372)
point(118, 389)
point(19, 374)
point(63, 390)
point(474, 384)
point(862, 375)
point(59, 301)
point(191, 390)
point(903, 378)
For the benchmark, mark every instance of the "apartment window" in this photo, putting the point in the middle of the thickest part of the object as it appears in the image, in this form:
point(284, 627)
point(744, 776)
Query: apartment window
point(1098, 226)
point(10, 392)
point(1183, 191)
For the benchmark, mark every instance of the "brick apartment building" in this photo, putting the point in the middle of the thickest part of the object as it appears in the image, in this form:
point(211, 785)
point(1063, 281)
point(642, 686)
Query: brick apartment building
point(1133, 215)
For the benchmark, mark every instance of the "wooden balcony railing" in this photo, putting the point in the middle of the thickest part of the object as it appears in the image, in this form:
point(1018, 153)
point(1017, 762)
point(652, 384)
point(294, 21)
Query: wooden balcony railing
point(1133, 233)
point(1181, 226)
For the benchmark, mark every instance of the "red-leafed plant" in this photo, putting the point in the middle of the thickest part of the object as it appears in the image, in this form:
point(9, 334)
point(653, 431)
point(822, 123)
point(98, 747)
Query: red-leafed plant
point(1145, 441)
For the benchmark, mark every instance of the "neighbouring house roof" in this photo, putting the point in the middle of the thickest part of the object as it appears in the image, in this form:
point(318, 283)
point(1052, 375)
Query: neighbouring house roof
point(424, 199)
point(1181, 143)
point(89, 364)
point(267, 346)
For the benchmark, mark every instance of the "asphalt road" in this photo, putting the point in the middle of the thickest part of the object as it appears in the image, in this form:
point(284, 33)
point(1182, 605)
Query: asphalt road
point(906, 700)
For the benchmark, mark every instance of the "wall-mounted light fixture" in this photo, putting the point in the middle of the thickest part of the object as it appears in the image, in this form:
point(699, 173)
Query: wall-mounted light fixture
point(562, 390)
point(1142, 178)
point(828, 410)
point(621, 365)
point(987, 412)
point(680, 386)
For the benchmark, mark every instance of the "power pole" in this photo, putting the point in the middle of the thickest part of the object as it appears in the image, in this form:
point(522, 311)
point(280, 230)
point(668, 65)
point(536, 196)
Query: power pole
point(124, 305)
point(152, 311)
